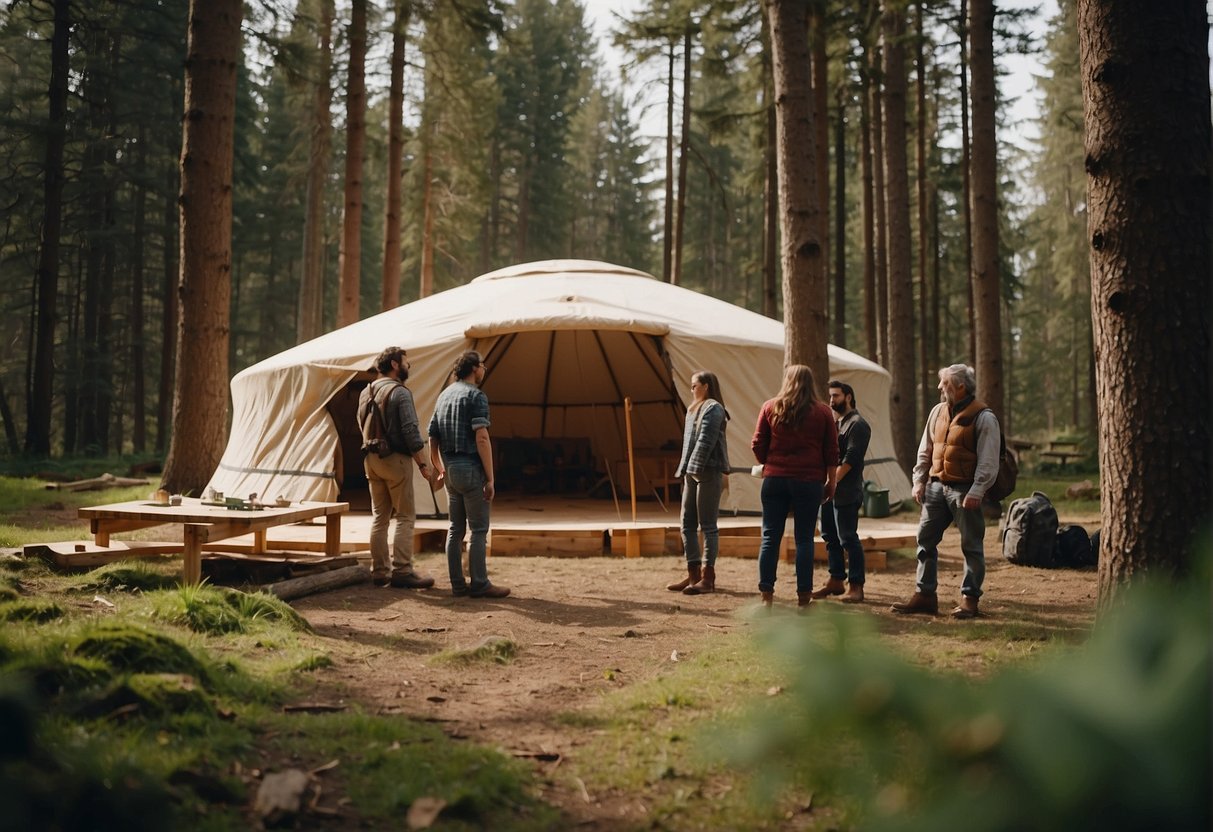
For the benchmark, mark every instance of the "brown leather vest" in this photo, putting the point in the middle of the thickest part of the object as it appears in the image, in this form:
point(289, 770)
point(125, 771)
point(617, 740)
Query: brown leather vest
point(954, 444)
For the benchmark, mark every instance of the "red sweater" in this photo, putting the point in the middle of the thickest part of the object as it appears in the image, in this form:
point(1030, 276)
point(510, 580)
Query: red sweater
point(803, 451)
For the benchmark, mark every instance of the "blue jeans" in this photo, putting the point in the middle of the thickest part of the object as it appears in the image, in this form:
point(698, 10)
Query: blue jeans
point(941, 506)
point(840, 531)
point(701, 510)
point(779, 496)
point(465, 493)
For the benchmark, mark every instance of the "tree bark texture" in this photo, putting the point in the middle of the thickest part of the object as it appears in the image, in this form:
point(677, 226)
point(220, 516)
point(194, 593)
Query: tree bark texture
point(311, 285)
point(390, 297)
point(801, 215)
point(868, 206)
point(770, 225)
point(667, 237)
point(925, 398)
point(966, 167)
point(820, 73)
point(840, 217)
point(200, 401)
point(902, 398)
point(350, 257)
point(38, 408)
point(1145, 81)
point(987, 279)
point(684, 156)
point(880, 249)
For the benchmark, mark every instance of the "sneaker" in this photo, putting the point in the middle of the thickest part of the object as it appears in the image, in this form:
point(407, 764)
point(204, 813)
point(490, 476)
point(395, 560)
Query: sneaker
point(491, 591)
point(412, 581)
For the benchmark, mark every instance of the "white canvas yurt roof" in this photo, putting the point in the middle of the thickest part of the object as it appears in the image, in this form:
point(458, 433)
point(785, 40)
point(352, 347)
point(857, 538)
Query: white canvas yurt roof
point(565, 341)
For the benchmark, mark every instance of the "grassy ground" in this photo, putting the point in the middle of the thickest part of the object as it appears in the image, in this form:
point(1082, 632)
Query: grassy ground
point(154, 706)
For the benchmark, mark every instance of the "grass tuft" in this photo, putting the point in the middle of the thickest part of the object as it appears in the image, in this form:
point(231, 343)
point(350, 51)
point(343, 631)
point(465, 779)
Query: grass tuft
point(34, 610)
point(490, 649)
point(127, 647)
point(127, 576)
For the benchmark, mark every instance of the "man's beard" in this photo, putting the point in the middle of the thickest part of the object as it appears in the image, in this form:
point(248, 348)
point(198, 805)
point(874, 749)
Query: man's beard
point(839, 407)
point(402, 375)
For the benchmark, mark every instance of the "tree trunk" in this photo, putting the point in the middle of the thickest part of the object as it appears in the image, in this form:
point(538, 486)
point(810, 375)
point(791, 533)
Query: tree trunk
point(426, 287)
point(770, 217)
point(169, 320)
point(880, 253)
point(902, 399)
point(804, 284)
point(311, 284)
point(868, 202)
point(966, 165)
point(987, 282)
point(840, 217)
point(137, 334)
point(201, 395)
point(395, 162)
point(667, 248)
point(38, 408)
point(684, 156)
point(925, 398)
point(350, 257)
point(1145, 81)
point(820, 76)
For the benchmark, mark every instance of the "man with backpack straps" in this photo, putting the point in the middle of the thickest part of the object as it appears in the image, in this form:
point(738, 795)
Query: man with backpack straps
point(391, 441)
point(957, 463)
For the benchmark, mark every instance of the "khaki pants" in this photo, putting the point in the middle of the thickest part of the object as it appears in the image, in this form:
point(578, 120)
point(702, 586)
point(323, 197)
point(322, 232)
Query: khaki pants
point(391, 484)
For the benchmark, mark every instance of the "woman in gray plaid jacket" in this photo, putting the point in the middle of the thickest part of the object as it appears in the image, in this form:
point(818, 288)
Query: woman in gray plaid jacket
point(703, 467)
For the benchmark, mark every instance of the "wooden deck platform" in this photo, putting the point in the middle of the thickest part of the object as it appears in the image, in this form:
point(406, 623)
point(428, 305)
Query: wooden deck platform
point(521, 526)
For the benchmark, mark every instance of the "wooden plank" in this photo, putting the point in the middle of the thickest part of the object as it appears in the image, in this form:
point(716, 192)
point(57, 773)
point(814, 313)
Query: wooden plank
point(71, 554)
point(651, 541)
point(553, 544)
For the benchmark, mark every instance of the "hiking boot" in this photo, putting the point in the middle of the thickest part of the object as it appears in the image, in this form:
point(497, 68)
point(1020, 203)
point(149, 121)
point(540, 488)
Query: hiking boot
point(490, 591)
point(804, 600)
point(705, 584)
point(854, 594)
point(834, 586)
point(967, 608)
point(460, 591)
point(927, 602)
point(381, 580)
point(768, 598)
point(694, 572)
point(411, 581)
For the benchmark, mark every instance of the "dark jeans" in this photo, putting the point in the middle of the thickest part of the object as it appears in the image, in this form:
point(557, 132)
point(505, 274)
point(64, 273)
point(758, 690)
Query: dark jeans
point(781, 495)
point(840, 531)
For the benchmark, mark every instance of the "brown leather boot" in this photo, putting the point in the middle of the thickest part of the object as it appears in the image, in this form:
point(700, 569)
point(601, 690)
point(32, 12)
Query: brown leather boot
point(967, 608)
point(854, 594)
point(803, 600)
point(694, 571)
point(705, 584)
point(927, 602)
point(768, 598)
point(834, 586)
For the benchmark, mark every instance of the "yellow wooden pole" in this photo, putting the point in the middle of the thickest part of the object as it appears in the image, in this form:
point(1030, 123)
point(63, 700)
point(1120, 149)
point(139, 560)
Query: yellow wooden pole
point(632, 547)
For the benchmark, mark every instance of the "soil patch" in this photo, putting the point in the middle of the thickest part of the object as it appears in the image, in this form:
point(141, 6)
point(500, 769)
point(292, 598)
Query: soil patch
point(583, 627)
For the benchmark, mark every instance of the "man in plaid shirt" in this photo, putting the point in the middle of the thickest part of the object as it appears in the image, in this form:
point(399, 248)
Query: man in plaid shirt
point(461, 450)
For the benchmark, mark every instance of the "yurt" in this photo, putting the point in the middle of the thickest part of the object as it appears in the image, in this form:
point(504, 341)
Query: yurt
point(589, 369)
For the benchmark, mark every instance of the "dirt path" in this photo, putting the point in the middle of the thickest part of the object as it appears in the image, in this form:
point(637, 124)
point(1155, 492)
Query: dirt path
point(586, 626)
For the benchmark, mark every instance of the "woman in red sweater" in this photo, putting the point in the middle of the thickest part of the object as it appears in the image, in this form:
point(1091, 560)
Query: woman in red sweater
point(796, 440)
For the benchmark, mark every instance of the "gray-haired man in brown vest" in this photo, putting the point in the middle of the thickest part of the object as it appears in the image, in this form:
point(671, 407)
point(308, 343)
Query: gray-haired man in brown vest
point(957, 463)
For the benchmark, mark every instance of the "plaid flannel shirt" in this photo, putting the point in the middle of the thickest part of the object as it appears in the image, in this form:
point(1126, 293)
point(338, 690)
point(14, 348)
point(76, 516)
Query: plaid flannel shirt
point(461, 410)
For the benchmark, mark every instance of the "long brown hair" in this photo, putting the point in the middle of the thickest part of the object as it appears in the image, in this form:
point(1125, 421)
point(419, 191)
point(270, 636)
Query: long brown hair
point(796, 395)
point(709, 380)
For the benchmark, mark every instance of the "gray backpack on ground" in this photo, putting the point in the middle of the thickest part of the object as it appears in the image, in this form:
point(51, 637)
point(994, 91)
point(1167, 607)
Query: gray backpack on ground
point(1029, 532)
